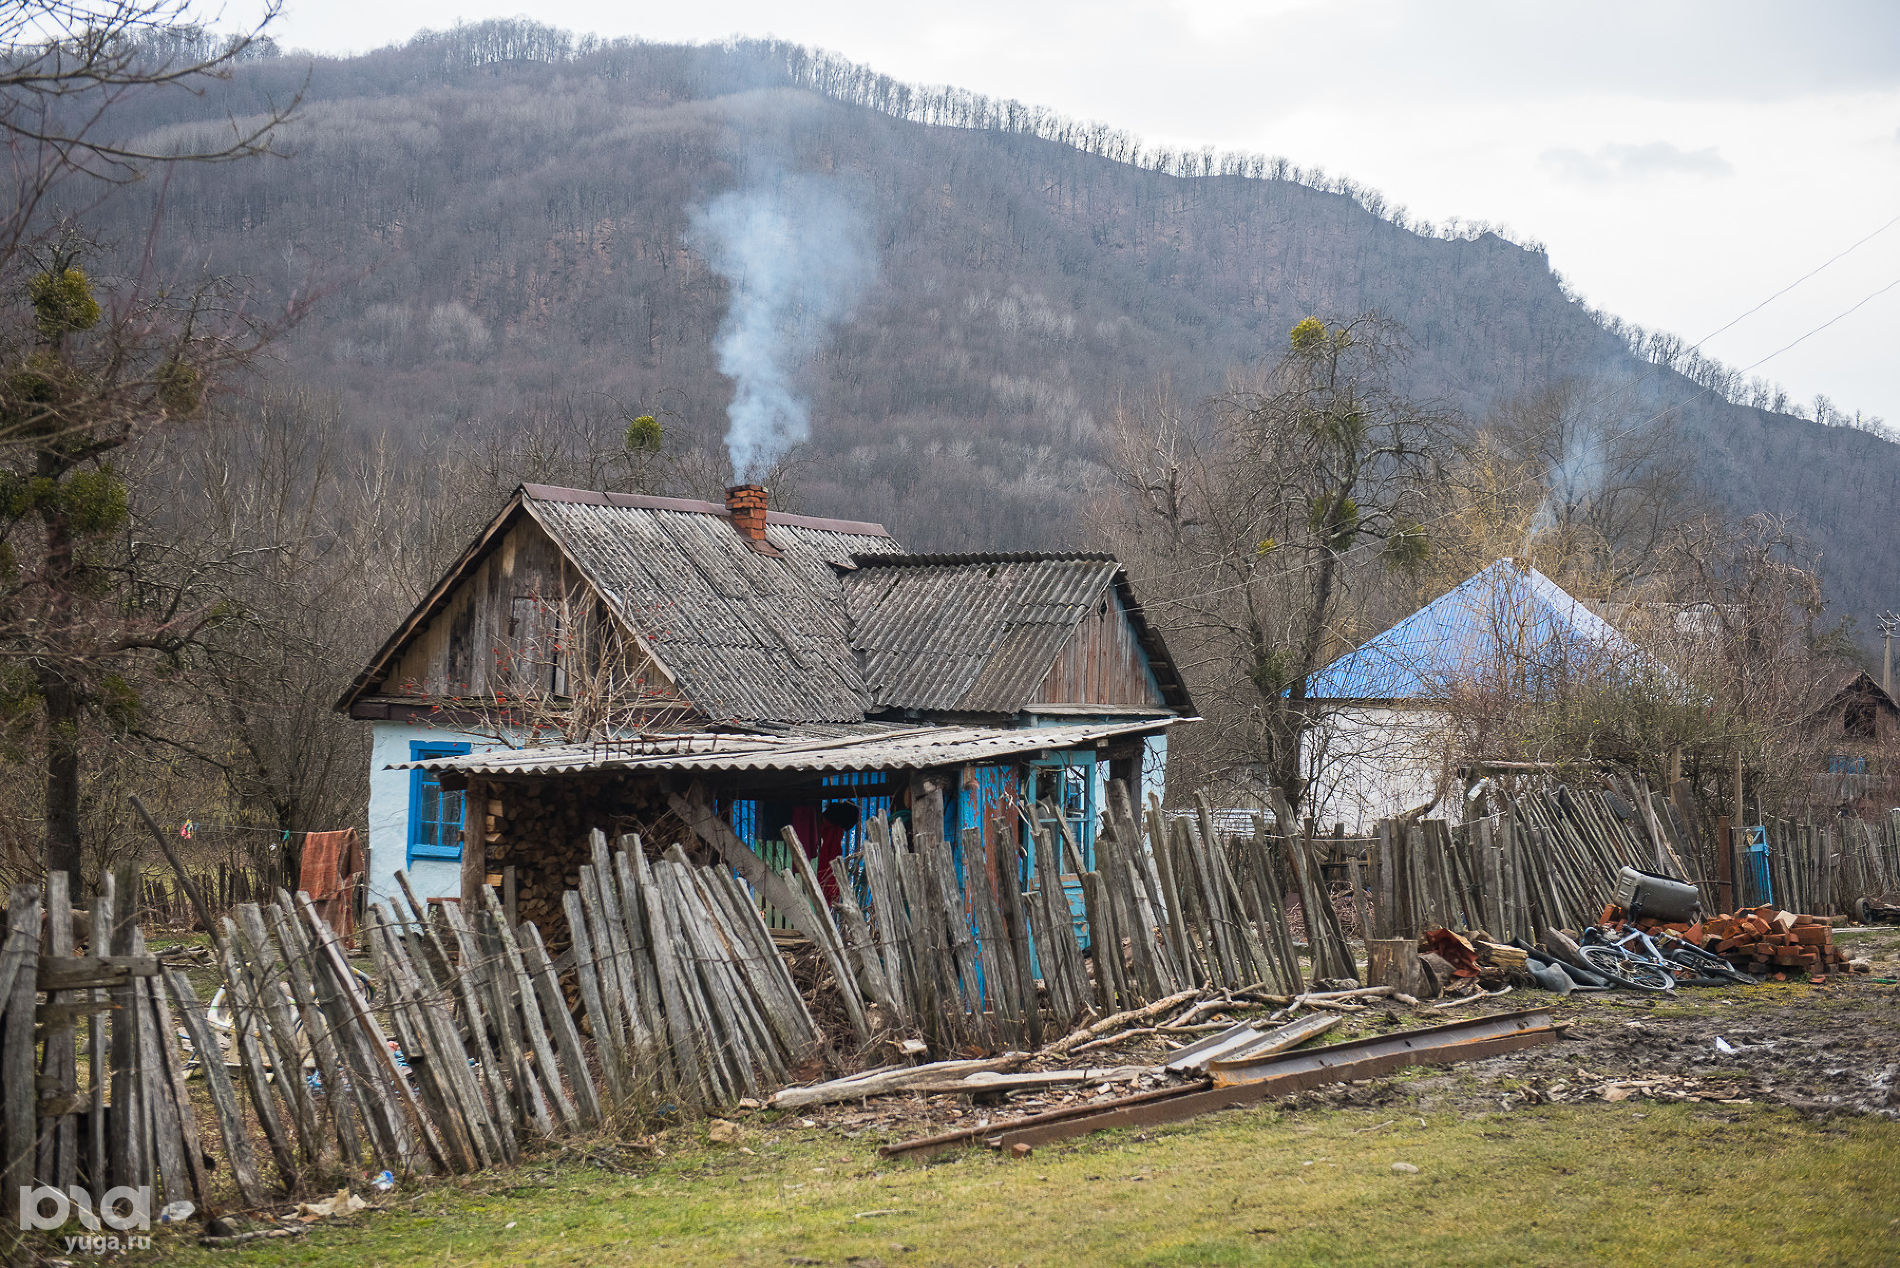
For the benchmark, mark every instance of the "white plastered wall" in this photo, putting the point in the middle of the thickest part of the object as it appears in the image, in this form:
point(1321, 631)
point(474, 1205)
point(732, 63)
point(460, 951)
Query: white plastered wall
point(1370, 762)
point(389, 812)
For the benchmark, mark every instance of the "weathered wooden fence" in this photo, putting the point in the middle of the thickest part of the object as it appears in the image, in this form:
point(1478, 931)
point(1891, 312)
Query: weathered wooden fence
point(1550, 860)
point(128, 1121)
point(674, 992)
point(950, 945)
point(1825, 867)
point(687, 996)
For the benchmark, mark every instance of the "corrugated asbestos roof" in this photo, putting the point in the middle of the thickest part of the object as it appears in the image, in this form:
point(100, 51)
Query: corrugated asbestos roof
point(967, 634)
point(745, 636)
point(778, 638)
point(1508, 615)
point(899, 748)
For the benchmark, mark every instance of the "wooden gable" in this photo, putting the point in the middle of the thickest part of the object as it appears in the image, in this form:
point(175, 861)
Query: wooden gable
point(1103, 662)
point(491, 630)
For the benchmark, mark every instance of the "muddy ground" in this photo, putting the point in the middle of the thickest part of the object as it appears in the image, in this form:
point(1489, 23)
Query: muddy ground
point(1832, 1048)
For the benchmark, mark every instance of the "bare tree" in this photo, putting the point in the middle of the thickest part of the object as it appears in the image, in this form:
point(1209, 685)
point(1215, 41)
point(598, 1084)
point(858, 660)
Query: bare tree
point(86, 371)
point(1249, 524)
point(69, 69)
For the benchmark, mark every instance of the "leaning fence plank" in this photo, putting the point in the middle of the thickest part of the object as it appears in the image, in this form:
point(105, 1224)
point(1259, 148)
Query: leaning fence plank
point(514, 975)
point(180, 1096)
point(277, 1028)
point(745, 919)
point(224, 1101)
point(616, 1017)
point(700, 1069)
point(246, 1018)
point(787, 1017)
point(620, 984)
point(338, 1094)
point(640, 967)
point(18, 1113)
point(744, 1041)
point(566, 1038)
point(418, 952)
point(374, 1043)
point(858, 941)
point(479, 968)
point(430, 1065)
point(171, 1121)
point(423, 1063)
point(125, 1139)
point(608, 1037)
point(359, 1071)
point(825, 934)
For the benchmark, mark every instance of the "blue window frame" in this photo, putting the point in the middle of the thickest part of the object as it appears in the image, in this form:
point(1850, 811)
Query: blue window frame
point(435, 815)
point(1846, 764)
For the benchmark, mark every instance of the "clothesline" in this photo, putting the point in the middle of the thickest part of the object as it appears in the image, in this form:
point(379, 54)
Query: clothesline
point(190, 827)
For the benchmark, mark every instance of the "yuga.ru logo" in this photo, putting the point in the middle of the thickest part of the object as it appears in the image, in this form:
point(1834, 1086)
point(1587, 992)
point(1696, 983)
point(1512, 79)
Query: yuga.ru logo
point(124, 1210)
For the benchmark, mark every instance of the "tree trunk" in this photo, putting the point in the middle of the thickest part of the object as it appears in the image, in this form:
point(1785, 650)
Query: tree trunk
point(1291, 712)
point(61, 853)
point(61, 698)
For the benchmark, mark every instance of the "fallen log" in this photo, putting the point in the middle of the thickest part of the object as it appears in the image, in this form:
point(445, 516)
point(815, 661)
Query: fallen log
point(884, 1082)
point(992, 1081)
point(1109, 1041)
point(1102, 1027)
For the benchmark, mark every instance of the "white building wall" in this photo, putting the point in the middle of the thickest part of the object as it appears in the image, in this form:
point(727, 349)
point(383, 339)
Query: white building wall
point(389, 812)
point(1371, 762)
point(1154, 769)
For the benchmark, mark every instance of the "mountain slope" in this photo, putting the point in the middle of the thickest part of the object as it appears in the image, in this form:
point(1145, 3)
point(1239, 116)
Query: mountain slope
point(496, 227)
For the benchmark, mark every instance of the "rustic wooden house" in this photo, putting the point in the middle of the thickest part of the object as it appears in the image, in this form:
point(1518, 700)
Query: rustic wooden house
point(1856, 724)
point(741, 669)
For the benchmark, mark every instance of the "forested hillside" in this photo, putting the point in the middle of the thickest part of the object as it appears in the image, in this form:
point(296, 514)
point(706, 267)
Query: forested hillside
point(496, 225)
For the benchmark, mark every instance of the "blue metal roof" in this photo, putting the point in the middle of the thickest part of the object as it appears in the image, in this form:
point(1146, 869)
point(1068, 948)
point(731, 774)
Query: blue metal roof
point(1508, 624)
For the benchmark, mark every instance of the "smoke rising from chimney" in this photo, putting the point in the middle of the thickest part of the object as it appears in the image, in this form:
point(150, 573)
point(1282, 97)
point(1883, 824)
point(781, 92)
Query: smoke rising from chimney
point(797, 254)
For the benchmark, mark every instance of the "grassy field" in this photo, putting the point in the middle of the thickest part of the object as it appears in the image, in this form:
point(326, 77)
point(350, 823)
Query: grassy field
point(1630, 1183)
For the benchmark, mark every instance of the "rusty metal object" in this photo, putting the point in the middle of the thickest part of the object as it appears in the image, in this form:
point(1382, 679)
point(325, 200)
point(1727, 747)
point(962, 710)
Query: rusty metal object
point(972, 1135)
point(1429, 1045)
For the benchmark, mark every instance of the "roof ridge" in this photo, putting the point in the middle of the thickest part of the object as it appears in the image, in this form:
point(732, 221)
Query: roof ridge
point(901, 559)
point(694, 506)
point(1400, 661)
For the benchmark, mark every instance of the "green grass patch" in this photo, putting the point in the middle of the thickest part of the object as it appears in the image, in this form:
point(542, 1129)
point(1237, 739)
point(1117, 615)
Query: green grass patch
point(1629, 1183)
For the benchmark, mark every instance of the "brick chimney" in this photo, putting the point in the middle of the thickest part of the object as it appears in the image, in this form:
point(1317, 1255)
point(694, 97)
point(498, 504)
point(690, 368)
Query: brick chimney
point(746, 503)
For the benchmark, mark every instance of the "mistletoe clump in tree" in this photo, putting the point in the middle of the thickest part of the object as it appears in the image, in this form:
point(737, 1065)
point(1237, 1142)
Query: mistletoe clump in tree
point(78, 607)
point(1248, 521)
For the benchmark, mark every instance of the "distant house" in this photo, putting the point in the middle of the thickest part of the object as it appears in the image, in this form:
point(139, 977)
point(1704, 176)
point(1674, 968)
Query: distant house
point(771, 670)
point(1855, 723)
point(1380, 743)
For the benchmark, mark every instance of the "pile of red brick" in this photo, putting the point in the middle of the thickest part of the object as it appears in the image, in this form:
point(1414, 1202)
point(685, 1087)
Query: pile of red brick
point(1769, 942)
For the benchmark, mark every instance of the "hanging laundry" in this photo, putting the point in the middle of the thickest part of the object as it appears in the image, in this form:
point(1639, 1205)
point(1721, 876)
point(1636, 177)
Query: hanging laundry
point(332, 865)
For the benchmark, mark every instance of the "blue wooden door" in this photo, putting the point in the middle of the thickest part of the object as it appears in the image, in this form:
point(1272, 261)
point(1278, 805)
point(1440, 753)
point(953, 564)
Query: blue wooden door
point(1065, 784)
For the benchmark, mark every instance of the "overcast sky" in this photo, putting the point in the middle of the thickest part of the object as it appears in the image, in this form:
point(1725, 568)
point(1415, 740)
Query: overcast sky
point(1682, 161)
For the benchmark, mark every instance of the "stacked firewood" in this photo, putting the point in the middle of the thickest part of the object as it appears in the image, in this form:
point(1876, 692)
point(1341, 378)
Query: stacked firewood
point(543, 835)
point(1767, 941)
